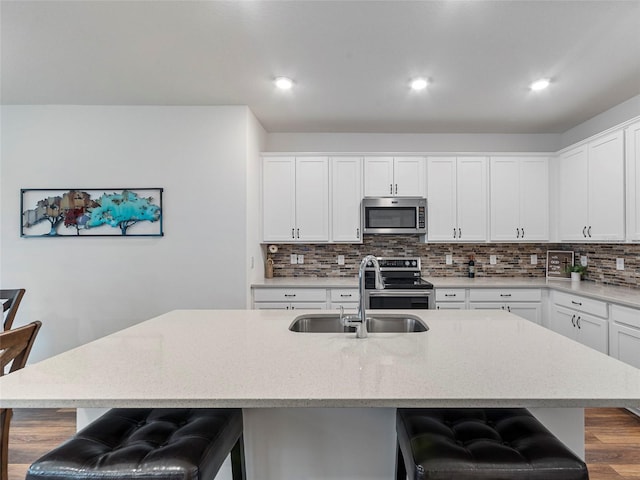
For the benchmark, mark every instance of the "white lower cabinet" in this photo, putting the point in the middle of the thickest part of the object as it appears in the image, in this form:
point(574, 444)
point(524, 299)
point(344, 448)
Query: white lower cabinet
point(305, 298)
point(524, 302)
point(346, 298)
point(451, 299)
point(289, 298)
point(582, 319)
point(624, 334)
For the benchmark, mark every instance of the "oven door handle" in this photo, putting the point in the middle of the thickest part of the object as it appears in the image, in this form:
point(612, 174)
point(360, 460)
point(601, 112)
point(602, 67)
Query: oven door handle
point(399, 293)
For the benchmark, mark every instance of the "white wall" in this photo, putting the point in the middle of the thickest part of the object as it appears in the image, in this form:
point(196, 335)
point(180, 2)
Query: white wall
point(256, 140)
point(84, 288)
point(603, 121)
point(411, 142)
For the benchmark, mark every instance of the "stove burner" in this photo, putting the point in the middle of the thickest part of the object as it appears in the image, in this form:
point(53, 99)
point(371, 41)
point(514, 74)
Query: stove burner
point(398, 273)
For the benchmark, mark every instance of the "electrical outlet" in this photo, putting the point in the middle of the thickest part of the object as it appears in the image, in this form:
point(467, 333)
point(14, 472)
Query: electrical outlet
point(340, 259)
point(534, 259)
point(493, 259)
point(294, 259)
point(619, 263)
point(449, 259)
point(300, 259)
point(583, 260)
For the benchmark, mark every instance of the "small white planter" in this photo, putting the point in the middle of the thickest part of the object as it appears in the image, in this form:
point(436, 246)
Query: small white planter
point(576, 276)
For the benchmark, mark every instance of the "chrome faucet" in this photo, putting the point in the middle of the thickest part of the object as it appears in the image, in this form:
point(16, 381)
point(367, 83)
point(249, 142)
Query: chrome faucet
point(360, 320)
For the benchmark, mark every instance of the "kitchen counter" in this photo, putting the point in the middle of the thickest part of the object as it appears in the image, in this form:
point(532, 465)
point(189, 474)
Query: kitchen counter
point(621, 295)
point(249, 358)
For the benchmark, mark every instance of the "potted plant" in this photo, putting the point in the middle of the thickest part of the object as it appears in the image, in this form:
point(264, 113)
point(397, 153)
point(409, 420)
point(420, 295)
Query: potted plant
point(576, 272)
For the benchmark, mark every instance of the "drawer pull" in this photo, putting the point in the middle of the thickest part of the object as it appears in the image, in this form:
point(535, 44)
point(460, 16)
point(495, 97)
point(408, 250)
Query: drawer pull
point(346, 295)
point(505, 294)
point(289, 294)
point(450, 294)
point(578, 322)
point(576, 303)
point(573, 320)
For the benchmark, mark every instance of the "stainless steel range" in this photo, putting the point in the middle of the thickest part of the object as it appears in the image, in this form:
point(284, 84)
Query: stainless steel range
point(404, 287)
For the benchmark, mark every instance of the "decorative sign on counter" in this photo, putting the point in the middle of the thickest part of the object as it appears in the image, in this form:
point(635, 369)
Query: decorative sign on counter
point(558, 263)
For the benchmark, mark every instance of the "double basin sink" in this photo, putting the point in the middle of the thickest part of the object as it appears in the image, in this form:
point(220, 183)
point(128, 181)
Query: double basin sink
point(378, 323)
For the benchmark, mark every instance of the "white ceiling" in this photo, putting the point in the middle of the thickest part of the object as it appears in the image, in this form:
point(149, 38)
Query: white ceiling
point(351, 60)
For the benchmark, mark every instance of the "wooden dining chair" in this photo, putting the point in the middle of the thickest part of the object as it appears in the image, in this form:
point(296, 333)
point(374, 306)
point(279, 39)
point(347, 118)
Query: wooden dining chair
point(10, 307)
point(15, 346)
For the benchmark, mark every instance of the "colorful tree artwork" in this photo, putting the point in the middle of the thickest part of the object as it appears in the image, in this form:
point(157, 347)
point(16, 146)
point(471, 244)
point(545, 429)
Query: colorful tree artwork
point(82, 213)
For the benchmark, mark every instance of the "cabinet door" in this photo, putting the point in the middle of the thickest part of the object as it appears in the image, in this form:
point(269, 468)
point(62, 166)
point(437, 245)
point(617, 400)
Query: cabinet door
point(593, 332)
point(451, 306)
point(312, 199)
point(346, 194)
point(308, 306)
point(409, 177)
point(472, 198)
point(487, 306)
point(271, 306)
point(441, 199)
point(606, 188)
point(278, 199)
point(534, 199)
point(378, 176)
point(505, 196)
point(632, 155)
point(624, 343)
point(563, 321)
point(572, 173)
point(530, 311)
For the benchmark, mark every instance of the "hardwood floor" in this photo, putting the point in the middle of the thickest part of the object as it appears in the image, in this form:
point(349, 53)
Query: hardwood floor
point(612, 440)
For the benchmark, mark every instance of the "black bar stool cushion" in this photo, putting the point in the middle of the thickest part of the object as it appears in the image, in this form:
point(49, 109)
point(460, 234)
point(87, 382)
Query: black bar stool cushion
point(155, 444)
point(496, 444)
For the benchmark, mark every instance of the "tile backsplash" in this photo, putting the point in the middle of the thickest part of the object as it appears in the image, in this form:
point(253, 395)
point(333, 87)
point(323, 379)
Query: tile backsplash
point(513, 259)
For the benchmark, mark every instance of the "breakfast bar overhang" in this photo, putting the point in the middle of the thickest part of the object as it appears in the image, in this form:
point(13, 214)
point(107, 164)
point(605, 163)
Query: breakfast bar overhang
point(323, 404)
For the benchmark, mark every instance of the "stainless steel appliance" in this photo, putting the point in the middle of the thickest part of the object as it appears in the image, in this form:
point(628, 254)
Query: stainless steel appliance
point(395, 215)
point(404, 287)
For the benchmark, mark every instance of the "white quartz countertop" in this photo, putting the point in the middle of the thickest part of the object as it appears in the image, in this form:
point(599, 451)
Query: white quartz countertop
point(249, 358)
point(621, 295)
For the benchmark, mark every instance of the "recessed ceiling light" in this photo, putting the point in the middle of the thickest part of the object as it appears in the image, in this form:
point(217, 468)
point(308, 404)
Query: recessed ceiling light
point(540, 84)
point(283, 83)
point(419, 84)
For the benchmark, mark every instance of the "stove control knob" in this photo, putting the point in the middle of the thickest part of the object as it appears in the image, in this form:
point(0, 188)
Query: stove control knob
point(407, 263)
point(414, 263)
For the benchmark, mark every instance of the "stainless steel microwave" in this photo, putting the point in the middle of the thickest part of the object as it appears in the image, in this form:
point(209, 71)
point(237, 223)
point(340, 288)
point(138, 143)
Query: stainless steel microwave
point(395, 215)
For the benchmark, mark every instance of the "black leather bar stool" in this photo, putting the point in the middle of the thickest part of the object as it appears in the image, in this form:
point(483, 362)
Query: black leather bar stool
point(149, 444)
point(481, 444)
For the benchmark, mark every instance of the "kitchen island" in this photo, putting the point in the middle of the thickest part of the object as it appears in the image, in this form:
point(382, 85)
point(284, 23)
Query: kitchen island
point(323, 405)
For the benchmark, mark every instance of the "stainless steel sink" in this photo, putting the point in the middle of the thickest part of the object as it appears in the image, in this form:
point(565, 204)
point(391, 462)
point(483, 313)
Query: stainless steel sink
point(378, 323)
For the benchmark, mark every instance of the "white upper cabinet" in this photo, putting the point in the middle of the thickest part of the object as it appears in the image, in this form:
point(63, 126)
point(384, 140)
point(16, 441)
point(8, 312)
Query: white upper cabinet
point(591, 184)
point(278, 199)
point(519, 199)
point(457, 199)
point(394, 177)
point(632, 154)
point(295, 199)
point(346, 195)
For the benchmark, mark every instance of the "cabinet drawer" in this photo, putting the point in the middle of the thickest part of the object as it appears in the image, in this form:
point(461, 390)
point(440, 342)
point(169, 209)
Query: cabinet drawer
point(582, 304)
point(450, 294)
point(342, 295)
point(628, 316)
point(290, 295)
point(505, 295)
